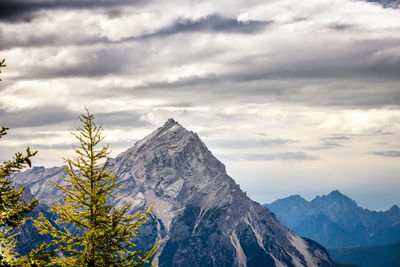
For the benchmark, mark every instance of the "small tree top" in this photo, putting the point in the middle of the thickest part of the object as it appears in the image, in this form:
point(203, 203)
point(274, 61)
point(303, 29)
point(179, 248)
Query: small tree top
point(104, 234)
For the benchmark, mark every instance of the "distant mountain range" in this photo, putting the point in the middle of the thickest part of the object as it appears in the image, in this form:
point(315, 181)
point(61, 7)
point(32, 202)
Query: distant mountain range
point(336, 221)
point(200, 215)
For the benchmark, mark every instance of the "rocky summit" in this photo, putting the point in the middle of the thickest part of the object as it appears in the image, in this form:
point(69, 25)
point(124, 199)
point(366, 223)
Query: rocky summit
point(200, 215)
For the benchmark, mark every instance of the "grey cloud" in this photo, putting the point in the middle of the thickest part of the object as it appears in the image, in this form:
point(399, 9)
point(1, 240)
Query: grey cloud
point(24, 10)
point(185, 82)
point(324, 146)
point(331, 142)
point(338, 138)
point(48, 40)
point(248, 143)
point(123, 144)
point(299, 19)
point(215, 87)
point(387, 67)
point(8, 42)
point(387, 3)
point(357, 61)
point(17, 10)
point(258, 89)
point(27, 135)
point(113, 145)
point(332, 78)
point(287, 156)
point(127, 118)
point(99, 63)
point(34, 117)
point(338, 26)
point(211, 23)
point(388, 154)
point(388, 144)
point(56, 146)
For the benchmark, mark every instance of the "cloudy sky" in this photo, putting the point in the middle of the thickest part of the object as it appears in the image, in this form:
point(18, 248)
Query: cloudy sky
point(295, 97)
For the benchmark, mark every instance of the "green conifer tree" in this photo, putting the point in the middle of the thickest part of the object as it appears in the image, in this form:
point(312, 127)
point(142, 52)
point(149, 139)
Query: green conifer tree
point(104, 234)
point(13, 211)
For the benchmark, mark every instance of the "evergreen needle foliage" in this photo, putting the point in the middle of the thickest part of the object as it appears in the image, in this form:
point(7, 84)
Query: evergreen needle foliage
point(103, 234)
point(13, 211)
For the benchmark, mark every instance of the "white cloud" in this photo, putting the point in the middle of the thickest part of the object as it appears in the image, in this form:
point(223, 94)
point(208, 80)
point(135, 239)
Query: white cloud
point(318, 68)
point(364, 121)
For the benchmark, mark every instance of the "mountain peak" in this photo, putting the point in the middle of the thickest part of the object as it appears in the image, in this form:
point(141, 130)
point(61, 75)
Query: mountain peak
point(170, 123)
point(170, 126)
point(200, 215)
point(395, 208)
point(296, 197)
point(336, 194)
point(335, 197)
point(170, 133)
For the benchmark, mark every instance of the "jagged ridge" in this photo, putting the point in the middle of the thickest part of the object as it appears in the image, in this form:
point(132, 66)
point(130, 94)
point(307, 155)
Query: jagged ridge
point(336, 221)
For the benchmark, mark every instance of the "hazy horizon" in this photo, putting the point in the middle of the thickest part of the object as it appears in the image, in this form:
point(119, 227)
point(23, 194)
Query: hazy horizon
point(293, 97)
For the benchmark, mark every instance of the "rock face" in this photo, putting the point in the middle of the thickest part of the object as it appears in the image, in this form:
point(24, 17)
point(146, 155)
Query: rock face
point(200, 215)
point(335, 221)
point(27, 236)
